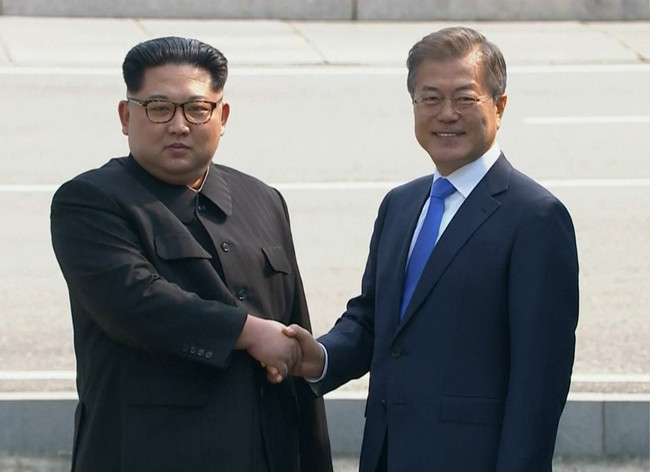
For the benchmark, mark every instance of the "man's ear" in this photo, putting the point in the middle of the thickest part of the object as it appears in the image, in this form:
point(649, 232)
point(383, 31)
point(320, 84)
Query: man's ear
point(501, 101)
point(225, 113)
point(123, 111)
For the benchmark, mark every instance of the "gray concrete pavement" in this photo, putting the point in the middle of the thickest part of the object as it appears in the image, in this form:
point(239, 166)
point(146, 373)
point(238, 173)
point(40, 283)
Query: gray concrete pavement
point(320, 109)
point(103, 42)
point(341, 464)
point(375, 10)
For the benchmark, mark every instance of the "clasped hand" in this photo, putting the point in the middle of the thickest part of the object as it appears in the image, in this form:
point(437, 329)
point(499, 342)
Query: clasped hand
point(282, 350)
point(310, 361)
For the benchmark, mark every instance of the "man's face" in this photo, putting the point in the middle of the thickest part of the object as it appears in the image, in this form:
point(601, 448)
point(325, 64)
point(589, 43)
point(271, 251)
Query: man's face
point(457, 134)
point(177, 152)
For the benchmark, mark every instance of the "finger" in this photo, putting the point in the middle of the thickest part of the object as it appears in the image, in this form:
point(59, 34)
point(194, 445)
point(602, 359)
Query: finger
point(273, 374)
point(283, 370)
point(289, 331)
point(276, 379)
point(298, 332)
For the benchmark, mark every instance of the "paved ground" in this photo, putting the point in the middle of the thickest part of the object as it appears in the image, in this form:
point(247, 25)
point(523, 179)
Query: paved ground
point(57, 464)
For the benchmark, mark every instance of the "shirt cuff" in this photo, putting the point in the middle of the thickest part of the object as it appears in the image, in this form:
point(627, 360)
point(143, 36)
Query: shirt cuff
point(322, 376)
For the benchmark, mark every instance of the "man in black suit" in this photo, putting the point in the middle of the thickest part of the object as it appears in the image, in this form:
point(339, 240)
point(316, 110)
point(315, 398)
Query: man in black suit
point(182, 275)
point(470, 354)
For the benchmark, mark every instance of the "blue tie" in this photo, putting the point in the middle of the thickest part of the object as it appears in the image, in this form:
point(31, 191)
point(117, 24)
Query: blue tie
point(442, 188)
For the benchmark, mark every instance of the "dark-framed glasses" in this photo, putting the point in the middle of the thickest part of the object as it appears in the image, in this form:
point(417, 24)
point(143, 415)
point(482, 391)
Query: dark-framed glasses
point(433, 104)
point(158, 110)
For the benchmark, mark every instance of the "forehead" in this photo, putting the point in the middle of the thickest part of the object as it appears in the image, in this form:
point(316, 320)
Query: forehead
point(176, 78)
point(450, 74)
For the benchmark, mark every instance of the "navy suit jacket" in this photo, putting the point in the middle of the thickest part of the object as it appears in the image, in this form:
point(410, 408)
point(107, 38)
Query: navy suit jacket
point(475, 377)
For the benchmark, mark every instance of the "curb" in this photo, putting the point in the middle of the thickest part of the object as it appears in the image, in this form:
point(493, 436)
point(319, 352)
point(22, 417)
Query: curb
point(592, 425)
point(340, 10)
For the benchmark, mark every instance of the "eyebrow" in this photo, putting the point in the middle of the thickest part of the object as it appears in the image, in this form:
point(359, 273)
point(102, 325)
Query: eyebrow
point(462, 88)
point(165, 97)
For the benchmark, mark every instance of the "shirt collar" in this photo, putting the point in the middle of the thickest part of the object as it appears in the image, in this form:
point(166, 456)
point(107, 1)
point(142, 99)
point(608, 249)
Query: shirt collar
point(468, 176)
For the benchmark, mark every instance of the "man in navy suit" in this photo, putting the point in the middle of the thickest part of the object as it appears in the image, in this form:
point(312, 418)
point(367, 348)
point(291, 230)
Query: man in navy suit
point(471, 373)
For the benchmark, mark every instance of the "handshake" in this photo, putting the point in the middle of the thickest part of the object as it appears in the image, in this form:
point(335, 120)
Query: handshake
point(282, 350)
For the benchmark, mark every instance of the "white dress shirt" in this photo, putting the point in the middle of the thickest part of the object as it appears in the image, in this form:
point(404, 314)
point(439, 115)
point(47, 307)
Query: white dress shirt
point(464, 180)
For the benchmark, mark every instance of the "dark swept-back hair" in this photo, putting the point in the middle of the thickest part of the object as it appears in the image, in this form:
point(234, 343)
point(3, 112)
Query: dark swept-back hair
point(456, 43)
point(173, 50)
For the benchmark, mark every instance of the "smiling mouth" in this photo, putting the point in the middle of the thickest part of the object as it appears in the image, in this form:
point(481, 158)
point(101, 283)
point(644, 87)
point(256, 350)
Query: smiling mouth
point(448, 135)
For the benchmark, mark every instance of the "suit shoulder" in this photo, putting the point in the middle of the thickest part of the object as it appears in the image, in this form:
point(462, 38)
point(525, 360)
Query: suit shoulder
point(97, 177)
point(532, 200)
point(111, 168)
point(413, 186)
point(528, 187)
point(244, 180)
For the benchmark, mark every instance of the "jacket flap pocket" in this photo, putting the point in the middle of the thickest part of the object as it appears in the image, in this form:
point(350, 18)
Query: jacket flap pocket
point(277, 258)
point(179, 246)
point(471, 410)
point(165, 390)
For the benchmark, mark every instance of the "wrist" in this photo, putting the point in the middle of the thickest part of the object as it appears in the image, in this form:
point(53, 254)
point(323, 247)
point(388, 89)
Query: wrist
point(316, 371)
point(248, 333)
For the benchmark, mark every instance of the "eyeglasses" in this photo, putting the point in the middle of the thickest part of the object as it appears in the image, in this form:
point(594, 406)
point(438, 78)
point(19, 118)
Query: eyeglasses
point(431, 105)
point(196, 112)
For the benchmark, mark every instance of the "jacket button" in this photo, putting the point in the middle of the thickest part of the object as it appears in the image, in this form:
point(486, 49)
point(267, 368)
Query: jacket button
point(208, 354)
point(396, 352)
point(225, 246)
point(200, 207)
point(193, 350)
point(241, 294)
point(200, 352)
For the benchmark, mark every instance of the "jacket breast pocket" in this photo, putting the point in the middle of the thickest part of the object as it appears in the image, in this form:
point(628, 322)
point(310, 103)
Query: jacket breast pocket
point(471, 410)
point(277, 259)
point(176, 246)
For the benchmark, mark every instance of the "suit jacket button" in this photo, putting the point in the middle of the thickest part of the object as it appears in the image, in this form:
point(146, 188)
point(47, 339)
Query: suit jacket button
point(200, 207)
point(225, 246)
point(200, 352)
point(193, 350)
point(241, 294)
point(396, 352)
point(208, 354)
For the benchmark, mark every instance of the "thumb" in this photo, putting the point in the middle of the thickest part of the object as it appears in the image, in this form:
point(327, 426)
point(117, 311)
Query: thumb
point(293, 331)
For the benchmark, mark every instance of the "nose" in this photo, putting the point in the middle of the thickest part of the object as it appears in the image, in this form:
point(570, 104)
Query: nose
point(178, 123)
point(448, 111)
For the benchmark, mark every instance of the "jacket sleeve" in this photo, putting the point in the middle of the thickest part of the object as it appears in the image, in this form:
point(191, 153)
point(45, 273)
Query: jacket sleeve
point(543, 314)
point(113, 281)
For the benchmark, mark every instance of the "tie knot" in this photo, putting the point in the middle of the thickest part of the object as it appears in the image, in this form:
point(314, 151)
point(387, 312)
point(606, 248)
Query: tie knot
point(442, 188)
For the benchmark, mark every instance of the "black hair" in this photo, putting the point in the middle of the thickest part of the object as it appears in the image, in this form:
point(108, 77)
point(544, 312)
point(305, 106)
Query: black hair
point(173, 50)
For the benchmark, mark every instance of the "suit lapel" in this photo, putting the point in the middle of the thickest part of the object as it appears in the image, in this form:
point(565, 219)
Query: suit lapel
point(399, 244)
point(476, 209)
